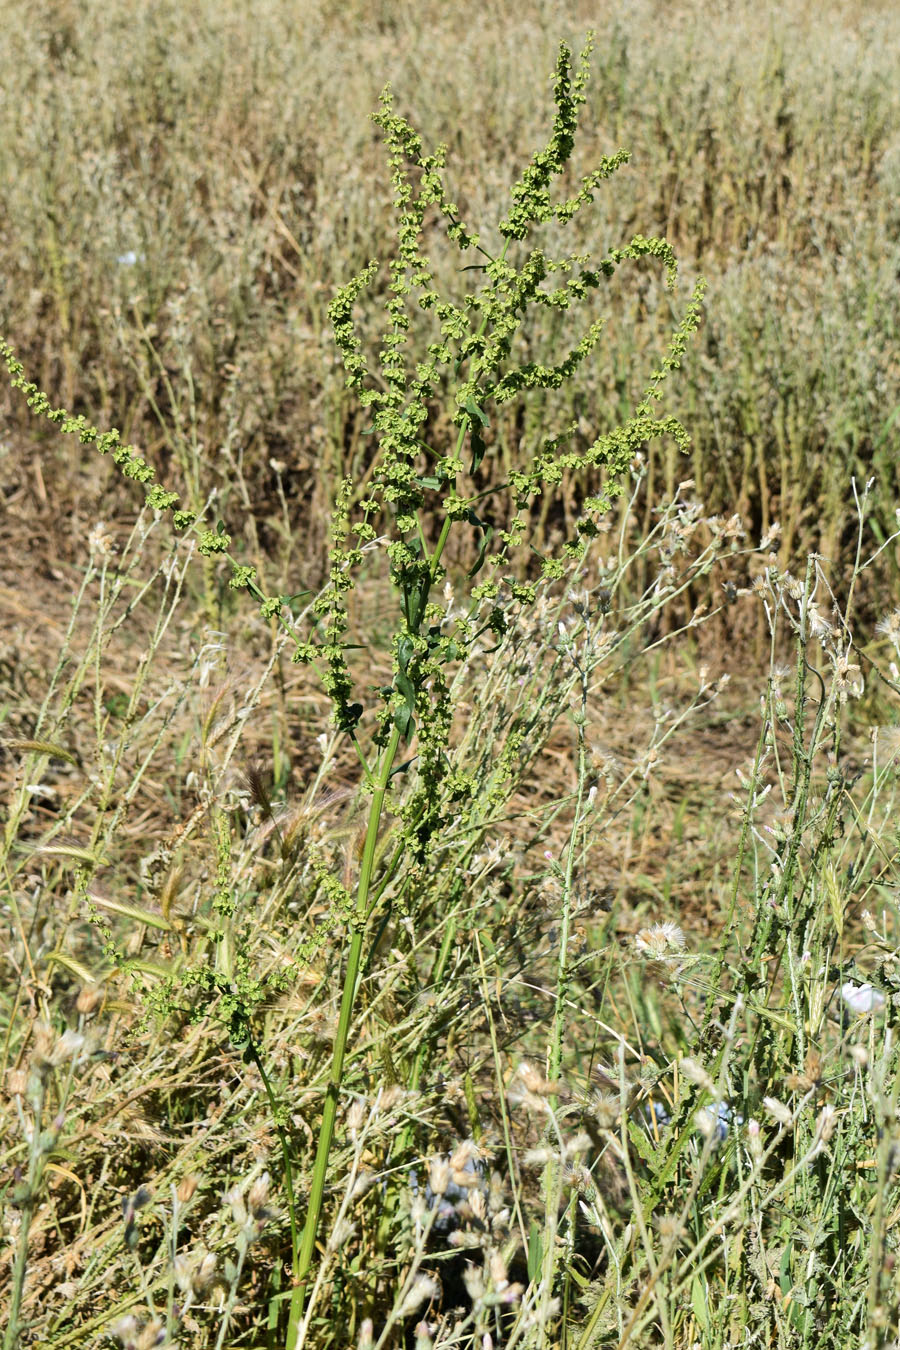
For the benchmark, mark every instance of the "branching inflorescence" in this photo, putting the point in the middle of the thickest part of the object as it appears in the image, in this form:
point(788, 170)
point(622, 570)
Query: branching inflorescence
point(417, 490)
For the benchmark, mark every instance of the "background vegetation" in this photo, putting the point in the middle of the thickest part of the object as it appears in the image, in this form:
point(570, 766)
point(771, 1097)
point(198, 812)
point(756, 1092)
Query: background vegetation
point(179, 201)
point(185, 197)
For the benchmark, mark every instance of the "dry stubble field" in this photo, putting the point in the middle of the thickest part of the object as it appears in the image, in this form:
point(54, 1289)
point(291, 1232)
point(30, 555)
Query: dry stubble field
point(719, 869)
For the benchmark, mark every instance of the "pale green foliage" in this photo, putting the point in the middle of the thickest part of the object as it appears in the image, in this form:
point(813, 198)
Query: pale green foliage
point(709, 1158)
point(470, 364)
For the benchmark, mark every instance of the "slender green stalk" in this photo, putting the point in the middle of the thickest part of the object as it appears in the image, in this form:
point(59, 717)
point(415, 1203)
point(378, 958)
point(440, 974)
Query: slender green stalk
point(231, 1302)
point(501, 1093)
point(554, 1053)
point(285, 1155)
point(348, 998)
point(28, 1206)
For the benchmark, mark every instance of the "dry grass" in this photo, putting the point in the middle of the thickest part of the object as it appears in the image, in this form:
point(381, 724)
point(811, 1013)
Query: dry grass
point(163, 1115)
point(179, 202)
point(231, 158)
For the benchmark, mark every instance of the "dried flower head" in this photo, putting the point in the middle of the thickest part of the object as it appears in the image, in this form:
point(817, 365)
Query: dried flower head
point(889, 627)
point(341, 1234)
point(826, 1124)
point(474, 1282)
point(356, 1117)
point(660, 940)
point(439, 1175)
point(89, 999)
point(257, 1197)
point(819, 626)
point(424, 1339)
point(16, 1082)
point(100, 542)
point(186, 1188)
point(466, 1163)
point(779, 1112)
point(205, 1272)
point(670, 1228)
point(366, 1335)
point(534, 1081)
point(424, 1288)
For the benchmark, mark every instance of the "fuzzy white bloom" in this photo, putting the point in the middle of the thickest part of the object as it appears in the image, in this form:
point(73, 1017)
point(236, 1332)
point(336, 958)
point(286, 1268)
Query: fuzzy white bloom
point(862, 998)
point(340, 1235)
point(439, 1175)
point(69, 1045)
point(825, 1127)
point(778, 1109)
point(234, 1198)
point(754, 1138)
point(889, 627)
point(423, 1289)
point(659, 940)
point(366, 1335)
point(694, 1070)
point(818, 624)
point(474, 1282)
point(100, 542)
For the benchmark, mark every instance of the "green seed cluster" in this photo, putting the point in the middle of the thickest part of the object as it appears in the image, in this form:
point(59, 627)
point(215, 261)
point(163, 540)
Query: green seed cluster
point(471, 360)
point(416, 487)
point(126, 457)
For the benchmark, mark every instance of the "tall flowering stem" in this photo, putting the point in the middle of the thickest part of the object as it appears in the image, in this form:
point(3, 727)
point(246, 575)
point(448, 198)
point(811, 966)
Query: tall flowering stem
point(460, 354)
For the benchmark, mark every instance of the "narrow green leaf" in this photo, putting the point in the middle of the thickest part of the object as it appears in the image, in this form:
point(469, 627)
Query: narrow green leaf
point(479, 449)
point(482, 550)
point(535, 1252)
point(126, 911)
point(475, 412)
point(406, 687)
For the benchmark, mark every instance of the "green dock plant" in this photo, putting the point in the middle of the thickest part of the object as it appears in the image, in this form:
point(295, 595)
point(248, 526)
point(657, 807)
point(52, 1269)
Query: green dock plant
point(418, 490)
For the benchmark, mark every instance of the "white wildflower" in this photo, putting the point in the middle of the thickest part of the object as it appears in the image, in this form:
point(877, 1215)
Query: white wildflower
point(778, 1109)
point(659, 940)
point(424, 1289)
point(889, 627)
point(862, 998)
point(100, 542)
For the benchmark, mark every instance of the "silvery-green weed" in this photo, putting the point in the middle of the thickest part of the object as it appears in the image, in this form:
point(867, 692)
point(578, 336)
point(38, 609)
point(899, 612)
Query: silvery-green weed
point(416, 494)
point(698, 1146)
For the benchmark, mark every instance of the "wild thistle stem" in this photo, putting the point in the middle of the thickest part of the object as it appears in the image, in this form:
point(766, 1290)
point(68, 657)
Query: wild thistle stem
point(501, 1094)
point(554, 1052)
point(417, 702)
point(29, 1202)
point(729, 924)
point(232, 1297)
point(554, 1049)
point(285, 1153)
point(348, 998)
